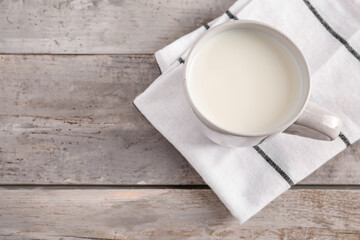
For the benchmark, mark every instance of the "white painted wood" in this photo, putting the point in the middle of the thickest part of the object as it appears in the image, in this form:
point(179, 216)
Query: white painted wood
point(173, 214)
point(70, 120)
point(95, 26)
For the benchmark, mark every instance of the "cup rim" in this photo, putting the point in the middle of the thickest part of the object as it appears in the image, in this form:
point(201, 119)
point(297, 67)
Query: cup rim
point(238, 24)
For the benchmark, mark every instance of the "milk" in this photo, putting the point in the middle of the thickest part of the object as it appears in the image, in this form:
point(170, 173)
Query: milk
point(245, 82)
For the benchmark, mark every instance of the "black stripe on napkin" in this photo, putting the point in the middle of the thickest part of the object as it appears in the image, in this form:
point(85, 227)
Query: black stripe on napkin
point(206, 26)
point(181, 61)
point(230, 15)
point(274, 165)
point(344, 139)
point(332, 31)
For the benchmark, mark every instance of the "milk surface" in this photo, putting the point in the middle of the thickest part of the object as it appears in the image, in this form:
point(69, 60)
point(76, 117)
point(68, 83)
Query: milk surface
point(245, 81)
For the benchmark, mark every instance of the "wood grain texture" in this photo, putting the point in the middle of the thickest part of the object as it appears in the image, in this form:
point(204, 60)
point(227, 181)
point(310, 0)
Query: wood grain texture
point(69, 119)
point(100, 26)
point(174, 214)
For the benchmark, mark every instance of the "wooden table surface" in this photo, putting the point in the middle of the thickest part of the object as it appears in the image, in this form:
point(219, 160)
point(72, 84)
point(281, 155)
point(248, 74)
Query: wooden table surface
point(78, 161)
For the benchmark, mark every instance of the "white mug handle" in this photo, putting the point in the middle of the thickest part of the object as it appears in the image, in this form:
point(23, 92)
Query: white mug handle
point(317, 123)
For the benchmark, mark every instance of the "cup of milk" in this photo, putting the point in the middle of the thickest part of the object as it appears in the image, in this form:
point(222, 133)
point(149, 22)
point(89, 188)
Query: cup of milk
point(246, 82)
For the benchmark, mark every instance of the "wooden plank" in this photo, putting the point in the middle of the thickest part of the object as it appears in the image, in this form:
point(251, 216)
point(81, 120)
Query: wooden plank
point(69, 119)
point(174, 214)
point(342, 169)
point(94, 26)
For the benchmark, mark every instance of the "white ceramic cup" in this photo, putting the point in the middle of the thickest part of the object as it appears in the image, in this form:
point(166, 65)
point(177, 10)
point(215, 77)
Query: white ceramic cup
point(310, 120)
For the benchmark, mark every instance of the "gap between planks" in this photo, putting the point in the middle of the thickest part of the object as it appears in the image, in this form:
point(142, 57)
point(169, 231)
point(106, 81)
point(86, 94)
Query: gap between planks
point(78, 54)
point(180, 187)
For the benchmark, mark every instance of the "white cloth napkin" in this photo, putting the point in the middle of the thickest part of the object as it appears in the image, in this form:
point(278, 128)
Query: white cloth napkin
point(247, 179)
